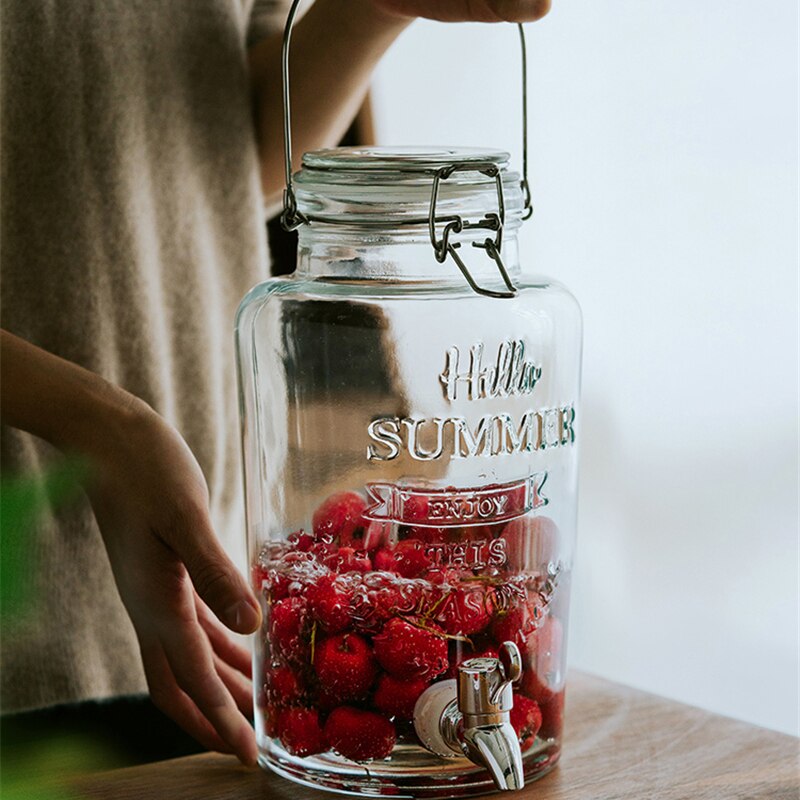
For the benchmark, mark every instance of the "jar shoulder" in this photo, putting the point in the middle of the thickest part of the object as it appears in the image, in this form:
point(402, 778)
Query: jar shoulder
point(536, 287)
point(261, 294)
point(534, 291)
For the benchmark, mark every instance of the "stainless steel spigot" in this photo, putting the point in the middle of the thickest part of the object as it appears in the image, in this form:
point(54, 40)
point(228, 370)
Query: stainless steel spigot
point(470, 716)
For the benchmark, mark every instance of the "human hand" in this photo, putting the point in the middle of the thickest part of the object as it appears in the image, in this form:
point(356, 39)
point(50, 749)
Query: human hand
point(151, 503)
point(467, 10)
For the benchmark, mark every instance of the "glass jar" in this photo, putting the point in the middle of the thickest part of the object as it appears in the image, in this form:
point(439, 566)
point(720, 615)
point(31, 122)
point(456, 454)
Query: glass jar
point(409, 440)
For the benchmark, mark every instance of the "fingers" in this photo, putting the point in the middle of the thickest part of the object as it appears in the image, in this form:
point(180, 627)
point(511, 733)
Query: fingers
point(189, 656)
point(471, 10)
point(519, 10)
point(213, 574)
point(232, 661)
point(238, 685)
point(168, 697)
point(229, 651)
point(508, 10)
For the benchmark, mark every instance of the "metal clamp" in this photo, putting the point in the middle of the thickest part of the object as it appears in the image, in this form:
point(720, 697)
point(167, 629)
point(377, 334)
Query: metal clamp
point(292, 218)
point(456, 224)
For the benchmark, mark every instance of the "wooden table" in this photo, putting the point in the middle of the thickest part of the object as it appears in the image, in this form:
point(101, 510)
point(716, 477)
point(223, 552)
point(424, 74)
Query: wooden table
point(620, 743)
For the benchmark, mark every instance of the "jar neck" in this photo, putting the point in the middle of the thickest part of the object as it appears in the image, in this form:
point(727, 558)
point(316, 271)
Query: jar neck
point(360, 254)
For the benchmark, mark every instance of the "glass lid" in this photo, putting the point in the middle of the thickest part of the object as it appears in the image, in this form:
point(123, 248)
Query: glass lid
point(388, 186)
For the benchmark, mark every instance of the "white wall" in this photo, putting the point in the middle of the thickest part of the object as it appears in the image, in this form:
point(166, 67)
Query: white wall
point(664, 168)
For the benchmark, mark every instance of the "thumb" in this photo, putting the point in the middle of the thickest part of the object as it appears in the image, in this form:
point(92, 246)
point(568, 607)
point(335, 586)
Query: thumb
point(215, 576)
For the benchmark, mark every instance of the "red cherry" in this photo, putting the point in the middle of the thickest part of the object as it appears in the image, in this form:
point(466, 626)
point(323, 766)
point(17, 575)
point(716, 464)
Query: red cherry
point(300, 731)
point(429, 535)
point(280, 586)
point(415, 508)
point(545, 647)
point(410, 598)
point(441, 576)
point(465, 609)
point(287, 628)
point(300, 541)
point(518, 623)
point(330, 604)
point(531, 543)
point(408, 651)
point(323, 550)
point(526, 719)
point(339, 517)
point(377, 534)
point(284, 686)
point(475, 533)
point(291, 575)
point(345, 666)
point(397, 697)
point(359, 735)
point(407, 559)
point(508, 626)
point(347, 559)
point(410, 558)
point(384, 560)
point(381, 596)
point(550, 703)
point(438, 583)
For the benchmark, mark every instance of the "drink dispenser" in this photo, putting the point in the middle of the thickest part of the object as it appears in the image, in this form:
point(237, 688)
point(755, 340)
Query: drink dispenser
point(409, 408)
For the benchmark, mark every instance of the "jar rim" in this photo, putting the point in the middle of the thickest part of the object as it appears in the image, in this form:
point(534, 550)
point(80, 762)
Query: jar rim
point(403, 159)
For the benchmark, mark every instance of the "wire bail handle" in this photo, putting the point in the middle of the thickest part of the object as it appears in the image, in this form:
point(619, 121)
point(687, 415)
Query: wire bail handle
point(292, 218)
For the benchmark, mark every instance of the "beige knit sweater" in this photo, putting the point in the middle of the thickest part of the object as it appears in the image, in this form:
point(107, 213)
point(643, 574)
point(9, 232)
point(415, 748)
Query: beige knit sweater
point(132, 225)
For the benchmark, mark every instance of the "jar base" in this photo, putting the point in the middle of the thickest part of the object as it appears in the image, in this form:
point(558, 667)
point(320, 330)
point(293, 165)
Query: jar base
point(411, 772)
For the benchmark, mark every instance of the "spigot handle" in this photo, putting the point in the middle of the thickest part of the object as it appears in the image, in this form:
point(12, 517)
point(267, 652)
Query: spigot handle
point(511, 665)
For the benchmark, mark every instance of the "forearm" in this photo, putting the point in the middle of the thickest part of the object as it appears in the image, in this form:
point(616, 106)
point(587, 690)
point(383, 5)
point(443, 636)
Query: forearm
point(336, 45)
point(56, 400)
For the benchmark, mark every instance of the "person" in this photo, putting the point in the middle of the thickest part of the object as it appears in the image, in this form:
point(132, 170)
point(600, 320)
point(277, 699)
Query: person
point(141, 143)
